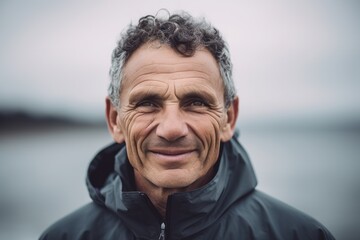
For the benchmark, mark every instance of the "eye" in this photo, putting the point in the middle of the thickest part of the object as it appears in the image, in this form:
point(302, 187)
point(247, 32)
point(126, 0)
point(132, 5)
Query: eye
point(146, 103)
point(146, 106)
point(196, 103)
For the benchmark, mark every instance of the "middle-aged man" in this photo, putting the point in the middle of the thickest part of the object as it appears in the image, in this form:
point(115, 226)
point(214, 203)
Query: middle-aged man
point(176, 170)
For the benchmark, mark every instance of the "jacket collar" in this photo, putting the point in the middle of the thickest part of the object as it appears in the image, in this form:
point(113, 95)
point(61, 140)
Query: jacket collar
point(187, 212)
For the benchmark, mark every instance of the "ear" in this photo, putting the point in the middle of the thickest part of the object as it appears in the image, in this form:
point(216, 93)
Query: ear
point(231, 116)
point(112, 118)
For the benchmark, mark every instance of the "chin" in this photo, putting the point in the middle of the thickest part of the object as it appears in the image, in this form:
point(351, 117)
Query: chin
point(174, 179)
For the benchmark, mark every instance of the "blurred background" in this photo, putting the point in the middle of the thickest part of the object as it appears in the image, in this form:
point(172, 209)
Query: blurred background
point(297, 70)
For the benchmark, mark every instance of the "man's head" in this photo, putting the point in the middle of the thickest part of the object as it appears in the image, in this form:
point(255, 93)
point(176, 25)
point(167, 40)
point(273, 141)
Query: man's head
point(181, 32)
point(172, 99)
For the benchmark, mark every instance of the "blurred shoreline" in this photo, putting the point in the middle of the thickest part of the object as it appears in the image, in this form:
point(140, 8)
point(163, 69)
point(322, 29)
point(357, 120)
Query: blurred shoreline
point(12, 121)
point(15, 121)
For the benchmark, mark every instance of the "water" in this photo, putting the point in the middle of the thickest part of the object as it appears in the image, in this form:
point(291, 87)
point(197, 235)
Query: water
point(313, 170)
point(42, 174)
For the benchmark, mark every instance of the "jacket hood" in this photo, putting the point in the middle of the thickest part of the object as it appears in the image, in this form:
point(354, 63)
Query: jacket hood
point(110, 182)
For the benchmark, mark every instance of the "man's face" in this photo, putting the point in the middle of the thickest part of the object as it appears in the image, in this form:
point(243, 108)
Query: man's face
point(172, 115)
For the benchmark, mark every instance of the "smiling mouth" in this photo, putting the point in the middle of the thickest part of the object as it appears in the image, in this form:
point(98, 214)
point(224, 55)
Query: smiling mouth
point(172, 156)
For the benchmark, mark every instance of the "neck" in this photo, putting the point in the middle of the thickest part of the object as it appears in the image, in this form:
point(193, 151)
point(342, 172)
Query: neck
point(159, 195)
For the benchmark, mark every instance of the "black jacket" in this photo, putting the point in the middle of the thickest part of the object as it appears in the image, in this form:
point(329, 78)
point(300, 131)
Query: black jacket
point(228, 207)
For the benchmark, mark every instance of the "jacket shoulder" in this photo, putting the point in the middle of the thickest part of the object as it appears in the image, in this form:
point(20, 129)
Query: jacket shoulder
point(269, 218)
point(88, 222)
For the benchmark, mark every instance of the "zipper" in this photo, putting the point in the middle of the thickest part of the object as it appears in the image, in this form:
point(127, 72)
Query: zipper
point(151, 206)
point(162, 232)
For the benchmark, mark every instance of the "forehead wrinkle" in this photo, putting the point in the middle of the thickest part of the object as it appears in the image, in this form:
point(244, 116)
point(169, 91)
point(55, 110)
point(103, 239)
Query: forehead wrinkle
point(149, 85)
point(202, 89)
point(214, 85)
point(164, 80)
point(169, 68)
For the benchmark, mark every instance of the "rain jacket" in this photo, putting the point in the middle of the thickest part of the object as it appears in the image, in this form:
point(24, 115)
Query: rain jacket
point(226, 208)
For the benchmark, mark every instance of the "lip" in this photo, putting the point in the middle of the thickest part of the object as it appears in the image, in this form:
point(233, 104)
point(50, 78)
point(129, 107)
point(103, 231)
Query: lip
point(172, 155)
point(171, 151)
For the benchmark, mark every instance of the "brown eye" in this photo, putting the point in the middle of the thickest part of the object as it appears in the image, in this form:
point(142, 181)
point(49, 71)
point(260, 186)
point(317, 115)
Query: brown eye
point(198, 103)
point(147, 101)
point(146, 104)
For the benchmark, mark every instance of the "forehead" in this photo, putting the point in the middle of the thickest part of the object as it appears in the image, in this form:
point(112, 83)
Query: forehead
point(153, 60)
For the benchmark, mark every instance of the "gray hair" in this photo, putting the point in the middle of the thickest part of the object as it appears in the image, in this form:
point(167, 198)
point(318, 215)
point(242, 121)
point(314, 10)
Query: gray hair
point(181, 32)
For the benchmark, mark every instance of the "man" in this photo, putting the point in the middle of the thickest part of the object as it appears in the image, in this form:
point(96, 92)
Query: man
point(176, 171)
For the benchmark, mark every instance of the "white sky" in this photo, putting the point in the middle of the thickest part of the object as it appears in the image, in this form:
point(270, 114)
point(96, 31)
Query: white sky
point(292, 59)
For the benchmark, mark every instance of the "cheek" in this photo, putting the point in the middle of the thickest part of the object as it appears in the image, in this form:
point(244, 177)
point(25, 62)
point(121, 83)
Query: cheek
point(136, 127)
point(207, 127)
point(134, 124)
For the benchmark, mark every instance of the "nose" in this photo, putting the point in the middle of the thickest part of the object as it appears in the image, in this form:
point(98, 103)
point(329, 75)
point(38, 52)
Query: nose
point(172, 125)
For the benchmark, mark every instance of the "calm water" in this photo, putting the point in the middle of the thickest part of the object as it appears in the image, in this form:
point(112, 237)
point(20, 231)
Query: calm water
point(42, 174)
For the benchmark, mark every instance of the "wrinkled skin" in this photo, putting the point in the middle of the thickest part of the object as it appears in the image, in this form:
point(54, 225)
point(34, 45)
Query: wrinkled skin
point(172, 117)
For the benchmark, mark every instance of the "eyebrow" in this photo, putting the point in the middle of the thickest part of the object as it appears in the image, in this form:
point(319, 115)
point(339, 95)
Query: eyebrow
point(144, 95)
point(140, 95)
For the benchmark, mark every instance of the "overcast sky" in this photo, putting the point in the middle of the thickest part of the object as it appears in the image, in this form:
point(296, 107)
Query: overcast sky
point(292, 59)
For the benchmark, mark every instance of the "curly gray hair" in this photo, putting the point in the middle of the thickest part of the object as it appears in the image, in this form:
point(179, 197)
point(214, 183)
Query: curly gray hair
point(181, 32)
